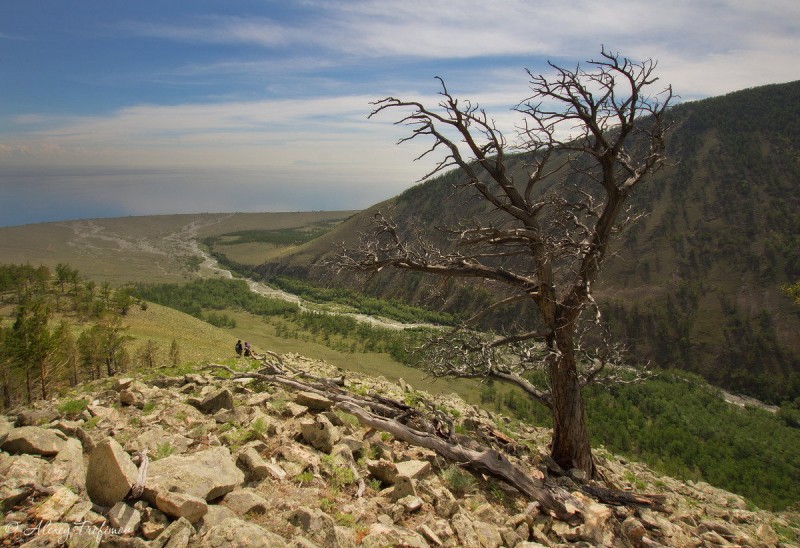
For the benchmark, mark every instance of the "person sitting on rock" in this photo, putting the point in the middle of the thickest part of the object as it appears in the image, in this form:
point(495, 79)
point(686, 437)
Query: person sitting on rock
point(247, 351)
point(239, 348)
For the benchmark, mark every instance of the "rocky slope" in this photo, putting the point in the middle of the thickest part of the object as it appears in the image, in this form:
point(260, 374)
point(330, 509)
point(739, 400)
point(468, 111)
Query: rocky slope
point(248, 463)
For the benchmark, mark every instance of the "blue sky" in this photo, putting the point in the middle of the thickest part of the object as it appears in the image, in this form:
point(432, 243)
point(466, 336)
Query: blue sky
point(115, 107)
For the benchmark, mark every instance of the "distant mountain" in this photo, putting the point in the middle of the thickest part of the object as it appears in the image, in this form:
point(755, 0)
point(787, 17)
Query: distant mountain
point(696, 284)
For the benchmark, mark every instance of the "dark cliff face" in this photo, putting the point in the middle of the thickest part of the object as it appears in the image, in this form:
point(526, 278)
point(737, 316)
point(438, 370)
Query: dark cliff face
point(696, 283)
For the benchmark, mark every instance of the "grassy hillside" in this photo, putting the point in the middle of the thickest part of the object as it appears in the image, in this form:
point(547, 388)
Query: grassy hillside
point(150, 248)
point(678, 424)
point(697, 283)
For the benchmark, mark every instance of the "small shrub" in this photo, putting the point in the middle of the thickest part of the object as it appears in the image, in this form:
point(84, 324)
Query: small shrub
point(458, 481)
point(163, 450)
point(345, 520)
point(304, 477)
point(73, 407)
point(258, 427)
point(91, 423)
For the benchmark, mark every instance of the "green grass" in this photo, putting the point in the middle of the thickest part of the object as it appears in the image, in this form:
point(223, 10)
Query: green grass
point(73, 407)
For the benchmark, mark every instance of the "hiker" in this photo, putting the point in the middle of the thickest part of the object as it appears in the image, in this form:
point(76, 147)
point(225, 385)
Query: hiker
point(247, 351)
point(239, 348)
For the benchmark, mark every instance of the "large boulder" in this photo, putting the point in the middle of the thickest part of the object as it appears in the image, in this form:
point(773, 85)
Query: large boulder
point(381, 535)
point(313, 401)
point(5, 428)
point(153, 438)
point(222, 399)
point(318, 525)
point(68, 467)
point(33, 440)
point(110, 473)
point(473, 533)
point(124, 518)
point(181, 505)
point(237, 533)
point(208, 474)
point(320, 433)
point(245, 501)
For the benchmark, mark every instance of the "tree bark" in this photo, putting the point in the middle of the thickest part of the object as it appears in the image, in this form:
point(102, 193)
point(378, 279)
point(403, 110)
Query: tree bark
point(570, 445)
point(486, 461)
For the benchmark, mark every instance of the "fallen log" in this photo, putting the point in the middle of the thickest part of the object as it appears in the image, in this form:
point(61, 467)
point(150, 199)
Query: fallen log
point(486, 461)
point(623, 498)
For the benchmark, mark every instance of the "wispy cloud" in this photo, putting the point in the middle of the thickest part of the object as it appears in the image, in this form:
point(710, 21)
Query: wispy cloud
point(285, 92)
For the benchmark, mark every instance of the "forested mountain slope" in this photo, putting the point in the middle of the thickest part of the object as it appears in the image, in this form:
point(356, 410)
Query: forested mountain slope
point(696, 284)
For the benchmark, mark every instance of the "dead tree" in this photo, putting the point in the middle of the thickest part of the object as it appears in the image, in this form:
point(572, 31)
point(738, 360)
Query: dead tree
point(589, 136)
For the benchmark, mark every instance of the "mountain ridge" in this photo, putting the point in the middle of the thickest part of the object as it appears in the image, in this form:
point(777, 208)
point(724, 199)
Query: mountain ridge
point(697, 283)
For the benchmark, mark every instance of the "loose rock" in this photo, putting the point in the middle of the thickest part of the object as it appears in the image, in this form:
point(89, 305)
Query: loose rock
point(110, 474)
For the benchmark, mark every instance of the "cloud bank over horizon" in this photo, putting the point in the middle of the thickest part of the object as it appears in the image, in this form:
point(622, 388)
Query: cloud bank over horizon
point(115, 109)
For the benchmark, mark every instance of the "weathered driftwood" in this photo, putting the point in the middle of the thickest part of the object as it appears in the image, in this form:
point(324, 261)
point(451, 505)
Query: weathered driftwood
point(141, 478)
point(486, 461)
point(624, 498)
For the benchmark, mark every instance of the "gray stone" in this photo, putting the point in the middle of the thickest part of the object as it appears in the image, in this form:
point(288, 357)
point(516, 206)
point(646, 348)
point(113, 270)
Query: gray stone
point(36, 417)
point(177, 535)
point(79, 512)
point(244, 501)
point(430, 535)
point(33, 440)
point(110, 474)
point(313, 401)
point(383, 470)
point(207, 474)
point(68, 467)
point(222, 399)
point(381, 535)
point(475, 534)
point(318, 525)
point(320, 433)
point(154, 521)
point(404, 487)
point(122, 383)
point(132, 397)
point(69, 428)
point(22, 469)
point(444, 502)
point(634, 530)
point(86, 440)
point(195, 378)
point(294, 410)
point(181, 505)
point(254, 466)
point(56, 506)
point(5, 428)
point(414, 469)
point(152, 438)
point(271, 426)
point(356, 446)
point(216, 514)
point(237, 533)
point(124, 518)
point(411, 503)
point(596, 528)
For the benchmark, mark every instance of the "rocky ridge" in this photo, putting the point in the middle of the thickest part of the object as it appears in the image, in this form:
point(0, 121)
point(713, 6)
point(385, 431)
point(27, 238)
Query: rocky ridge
point(248, 463)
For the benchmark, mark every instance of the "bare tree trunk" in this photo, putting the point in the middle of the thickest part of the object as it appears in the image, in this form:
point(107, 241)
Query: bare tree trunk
point(43, 378)
point(6, 387)
point(28, 387)
point(570, 444)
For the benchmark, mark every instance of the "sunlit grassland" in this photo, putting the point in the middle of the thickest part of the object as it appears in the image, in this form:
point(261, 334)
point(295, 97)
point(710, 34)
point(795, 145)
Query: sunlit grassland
point(260, 332)
point(198, 341)
point(151, 249)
